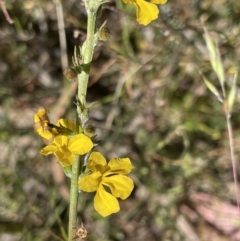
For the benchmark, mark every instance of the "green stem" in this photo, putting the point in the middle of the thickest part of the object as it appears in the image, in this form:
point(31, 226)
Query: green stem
point(72, 227)
point(87, 53)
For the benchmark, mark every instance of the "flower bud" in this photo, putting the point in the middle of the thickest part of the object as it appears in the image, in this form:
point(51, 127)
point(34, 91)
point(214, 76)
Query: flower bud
point(89, 130)
point(71, 74)
point(104, 34)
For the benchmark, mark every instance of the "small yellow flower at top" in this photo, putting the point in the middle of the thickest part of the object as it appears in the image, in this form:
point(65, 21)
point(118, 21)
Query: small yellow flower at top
point(109, 175)
point(65, 148)
point(47, 130)
point(146, 11)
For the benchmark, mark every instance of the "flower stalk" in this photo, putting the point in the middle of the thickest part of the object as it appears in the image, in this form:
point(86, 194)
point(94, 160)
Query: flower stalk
point(86, 55)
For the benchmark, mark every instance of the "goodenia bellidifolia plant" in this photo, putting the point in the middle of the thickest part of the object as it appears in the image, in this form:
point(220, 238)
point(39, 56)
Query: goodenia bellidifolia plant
point(73, 143)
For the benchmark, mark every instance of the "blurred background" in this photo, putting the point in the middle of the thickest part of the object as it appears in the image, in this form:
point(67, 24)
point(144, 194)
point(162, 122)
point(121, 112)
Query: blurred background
point(153, 108)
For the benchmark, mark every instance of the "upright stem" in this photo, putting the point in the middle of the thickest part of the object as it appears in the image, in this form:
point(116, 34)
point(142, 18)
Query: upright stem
point(87, 53)
point(72, 226)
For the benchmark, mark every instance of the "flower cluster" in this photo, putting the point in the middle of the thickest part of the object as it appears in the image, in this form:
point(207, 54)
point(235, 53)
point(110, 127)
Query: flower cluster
point(109, 180)
point(146, 11)
point(62, 140)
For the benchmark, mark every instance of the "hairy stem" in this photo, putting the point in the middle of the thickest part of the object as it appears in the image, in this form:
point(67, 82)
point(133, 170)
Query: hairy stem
point(87, 53)
point(73, 200)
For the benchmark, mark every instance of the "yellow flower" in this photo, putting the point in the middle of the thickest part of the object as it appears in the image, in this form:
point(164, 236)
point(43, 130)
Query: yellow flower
point(47, 130)
point(146, 11)
point(109, 175)
point(65, 148)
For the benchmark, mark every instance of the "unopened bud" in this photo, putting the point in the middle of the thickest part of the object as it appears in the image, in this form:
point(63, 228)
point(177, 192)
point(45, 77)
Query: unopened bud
point(71, 74)
point(104, 34)
point(89, 130)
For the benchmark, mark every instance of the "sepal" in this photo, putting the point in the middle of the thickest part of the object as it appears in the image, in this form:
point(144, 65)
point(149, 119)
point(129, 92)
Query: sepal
point(68, 171)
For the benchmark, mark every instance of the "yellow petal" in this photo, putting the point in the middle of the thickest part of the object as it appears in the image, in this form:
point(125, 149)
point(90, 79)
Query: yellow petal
point(60, 141)
point(90, 183)
point(50, 149)
point(41, 121)
point(67, 124)
point(129, 1)
point(80, 144)
point(41, 115)
point(65, 157)
point(96, 159)
point(120, 185)
point(104, 203)
point(44, 133)
point(146, 12)
point(159, 1)
point(120, 166)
